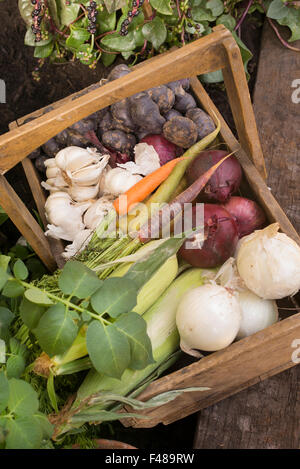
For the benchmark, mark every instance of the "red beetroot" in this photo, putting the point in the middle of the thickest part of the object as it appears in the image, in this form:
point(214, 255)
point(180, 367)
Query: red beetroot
point(224, 182)
point(247, 214)
point(166, 150)
point(221, 237)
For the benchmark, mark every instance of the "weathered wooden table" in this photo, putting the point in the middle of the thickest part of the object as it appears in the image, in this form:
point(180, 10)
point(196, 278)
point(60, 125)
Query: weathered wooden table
point(267, 415)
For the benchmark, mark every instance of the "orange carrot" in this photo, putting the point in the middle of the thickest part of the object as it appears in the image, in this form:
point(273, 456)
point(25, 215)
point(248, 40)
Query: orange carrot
point(144, 187)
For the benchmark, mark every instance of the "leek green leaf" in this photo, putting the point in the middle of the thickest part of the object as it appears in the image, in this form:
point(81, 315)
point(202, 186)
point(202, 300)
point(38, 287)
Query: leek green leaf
point(34, 295)
point(12, 289)
point(78, 280)
point(142, 270)
point(109, 349)
point(4, 391)
point(24, 433)
point(134, 327)
point(115, 297)
point(20, 270)
point(23, 400)
point(31, 313)
point(56, 331)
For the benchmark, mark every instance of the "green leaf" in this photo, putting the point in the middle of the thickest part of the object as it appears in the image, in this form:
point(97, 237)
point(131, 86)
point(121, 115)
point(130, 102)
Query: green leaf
point(215, 6)
point(13, 289)
point(114, 5)
point(155, 32)
point(115, 297)
point(162, 6)
point(46, 427)
point(15, 366)
point(68, 13)
point(24, 433)
point(109, 350)
point(78, 280)
point(6, 317)
point(135, 329)
point(54, 12)
point(43, 51)
point(212, 77)
point(277, 10)
point(106, 21)
point(3, 277)
point(202, 14)
point(31, 41)
point(31, 313)
point(108, 59)
point(51, 392)
point(142, 270)
point(77, 37)
point(4, 391)
point(119, 43)
point(37, 296)
point(227, 20)
point(56, 331)
point(286, 16)
point(245, 52)
point(23, 400)
point(4, 261)
point(25, 9)
point(20, 270)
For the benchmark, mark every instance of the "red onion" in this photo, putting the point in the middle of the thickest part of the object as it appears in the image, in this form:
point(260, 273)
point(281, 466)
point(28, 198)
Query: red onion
point(221, 237)
point(166, 150)
point(247, 214)
point(225, 180)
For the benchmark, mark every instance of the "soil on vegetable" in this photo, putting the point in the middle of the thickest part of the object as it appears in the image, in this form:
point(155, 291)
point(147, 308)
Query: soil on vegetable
point(29, 88)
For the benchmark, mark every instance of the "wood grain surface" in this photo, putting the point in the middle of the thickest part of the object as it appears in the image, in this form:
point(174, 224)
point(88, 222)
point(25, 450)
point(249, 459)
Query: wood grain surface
point(267, 415)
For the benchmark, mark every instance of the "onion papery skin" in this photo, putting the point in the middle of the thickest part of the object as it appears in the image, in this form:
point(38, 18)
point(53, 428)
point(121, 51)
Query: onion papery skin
point(221, 235)
point(166, 150)
point(247, 214)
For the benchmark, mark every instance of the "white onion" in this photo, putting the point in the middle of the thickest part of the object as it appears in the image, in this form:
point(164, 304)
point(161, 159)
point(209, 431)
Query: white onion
point(269, 263)
point(208, 318)
point(257, 313)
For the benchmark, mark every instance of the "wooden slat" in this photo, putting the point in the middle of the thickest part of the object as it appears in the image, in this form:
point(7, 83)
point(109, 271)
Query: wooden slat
point(226, 372)
point(199, 57)
point(25, 223)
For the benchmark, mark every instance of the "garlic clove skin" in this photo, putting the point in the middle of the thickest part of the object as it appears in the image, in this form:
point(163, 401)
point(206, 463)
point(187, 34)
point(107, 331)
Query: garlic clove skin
point(73, 158)
point(89, 175)
point(80, 242)
point(118, 180)
point(83, 193)
point(95, 214)
point(146, 157)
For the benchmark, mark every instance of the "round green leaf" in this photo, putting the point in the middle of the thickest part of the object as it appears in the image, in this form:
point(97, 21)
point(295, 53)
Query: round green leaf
point(12, 289)
point(227, 20)
point(109, 350)
point(78, 280)
point(37, 296)
point(115, 297)
point(24, 433)
point(155, 32)
point(119, 43)
point(6, 317)
point(106, 21)
point(4, 391)
point(43, 51)
point(56, 331)
point(31, 313)
point(23, 399)
point(15, 366)
point(20, 270)
point(77, 37)
point(162, 6)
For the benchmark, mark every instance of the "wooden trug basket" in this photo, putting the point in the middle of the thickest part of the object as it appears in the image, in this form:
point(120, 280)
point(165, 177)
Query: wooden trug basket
point(245, 362)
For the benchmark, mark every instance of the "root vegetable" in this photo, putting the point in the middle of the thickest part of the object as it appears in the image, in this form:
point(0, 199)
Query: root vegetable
point(180, 131)
point(163, 97)
point(120, 112)
point(145, 114)
point(179, 87)
point(184, 103)
point(83, 126)
point(221, 237)
point(172, 113)
point(105, 123)
point(224, 182)
point(204, 123)
point(51, 147)
point(119, 140)
point(118, 72)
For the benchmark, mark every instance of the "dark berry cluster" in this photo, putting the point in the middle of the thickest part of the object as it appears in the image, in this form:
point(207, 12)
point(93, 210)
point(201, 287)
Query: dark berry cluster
point(37, 17)
point(136, 4)
point(92, 17)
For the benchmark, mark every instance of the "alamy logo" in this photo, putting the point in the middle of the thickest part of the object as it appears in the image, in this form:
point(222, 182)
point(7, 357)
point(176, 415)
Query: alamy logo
point(2, 92)
point(296, 94)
